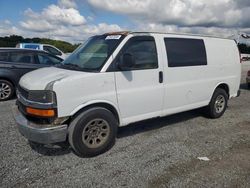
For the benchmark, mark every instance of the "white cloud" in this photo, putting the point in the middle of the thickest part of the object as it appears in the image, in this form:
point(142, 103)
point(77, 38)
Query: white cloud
point(225, 18)
point(69, 16)
point(67, 3)
point(7, 22)
point(50, 17)
point(81, 33)
point(6, 28)
point(37, 26)
point(219, 13)
point(211, 31)
point(62, 21)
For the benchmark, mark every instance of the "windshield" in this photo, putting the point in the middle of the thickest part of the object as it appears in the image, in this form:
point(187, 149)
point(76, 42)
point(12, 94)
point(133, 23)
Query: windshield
point(93, 54)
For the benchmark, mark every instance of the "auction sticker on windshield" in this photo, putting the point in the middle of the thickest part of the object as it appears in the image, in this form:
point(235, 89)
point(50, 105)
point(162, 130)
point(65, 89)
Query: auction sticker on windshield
point(113, 37)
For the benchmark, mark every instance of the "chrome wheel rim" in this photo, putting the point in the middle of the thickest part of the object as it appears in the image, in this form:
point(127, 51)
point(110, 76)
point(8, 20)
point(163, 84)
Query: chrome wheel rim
point(5, 90)
point(95, 133)
point(220, 103)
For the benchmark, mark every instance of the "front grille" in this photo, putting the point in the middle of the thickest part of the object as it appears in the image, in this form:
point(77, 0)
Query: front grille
point(23, 92)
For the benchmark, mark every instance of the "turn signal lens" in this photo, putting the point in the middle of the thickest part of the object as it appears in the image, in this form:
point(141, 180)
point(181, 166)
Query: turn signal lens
point(41, 113)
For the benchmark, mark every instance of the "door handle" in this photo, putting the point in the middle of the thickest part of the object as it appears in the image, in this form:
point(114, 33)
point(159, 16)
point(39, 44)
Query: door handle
point(160, 77)
point(13, 66)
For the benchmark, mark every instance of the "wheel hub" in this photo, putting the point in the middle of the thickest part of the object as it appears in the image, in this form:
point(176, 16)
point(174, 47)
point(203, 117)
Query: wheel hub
point(95, 133)
point(220, 103)
point(5, 90)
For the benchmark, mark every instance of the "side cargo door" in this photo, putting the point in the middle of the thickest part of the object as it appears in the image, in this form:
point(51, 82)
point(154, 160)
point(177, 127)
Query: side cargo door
point(186, 81)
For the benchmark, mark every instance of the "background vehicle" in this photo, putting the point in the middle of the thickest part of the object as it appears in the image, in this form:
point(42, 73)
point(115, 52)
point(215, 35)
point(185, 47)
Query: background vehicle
point(248, 79)
point(119, 78)
point(14, 63)
point(46, 47)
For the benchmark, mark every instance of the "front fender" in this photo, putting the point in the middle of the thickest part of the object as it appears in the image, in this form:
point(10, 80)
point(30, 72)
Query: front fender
point(89, 103)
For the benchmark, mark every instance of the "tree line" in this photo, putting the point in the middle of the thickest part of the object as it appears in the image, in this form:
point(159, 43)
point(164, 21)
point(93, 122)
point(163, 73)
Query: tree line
point(67, 47)
point(13, 40)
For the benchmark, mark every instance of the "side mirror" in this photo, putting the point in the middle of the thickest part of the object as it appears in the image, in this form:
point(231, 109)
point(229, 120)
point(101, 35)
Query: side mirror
point(126, 61)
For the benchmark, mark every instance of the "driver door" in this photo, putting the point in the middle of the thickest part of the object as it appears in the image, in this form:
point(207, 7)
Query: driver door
point(139, 88)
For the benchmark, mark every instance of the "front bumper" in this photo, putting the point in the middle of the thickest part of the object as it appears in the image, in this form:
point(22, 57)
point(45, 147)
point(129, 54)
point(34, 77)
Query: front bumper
point(44, 134)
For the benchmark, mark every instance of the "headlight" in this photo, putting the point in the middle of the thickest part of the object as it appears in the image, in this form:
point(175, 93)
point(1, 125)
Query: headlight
point(42, 96)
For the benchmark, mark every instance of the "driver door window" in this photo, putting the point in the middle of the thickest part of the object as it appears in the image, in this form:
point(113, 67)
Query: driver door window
point(143, 50)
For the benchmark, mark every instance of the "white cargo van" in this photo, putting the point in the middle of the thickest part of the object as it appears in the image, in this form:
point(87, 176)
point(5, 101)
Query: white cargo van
point(116, 79)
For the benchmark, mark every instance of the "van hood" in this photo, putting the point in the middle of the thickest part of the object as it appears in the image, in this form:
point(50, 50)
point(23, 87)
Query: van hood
point(39, 79)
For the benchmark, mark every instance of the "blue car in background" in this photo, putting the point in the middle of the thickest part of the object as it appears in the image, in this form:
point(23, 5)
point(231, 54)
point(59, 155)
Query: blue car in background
point(46, 47)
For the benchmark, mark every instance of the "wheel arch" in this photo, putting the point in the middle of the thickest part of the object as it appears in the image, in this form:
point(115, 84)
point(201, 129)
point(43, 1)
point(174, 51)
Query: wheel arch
point(224, 86)
point(8, 79)
point(104, 104)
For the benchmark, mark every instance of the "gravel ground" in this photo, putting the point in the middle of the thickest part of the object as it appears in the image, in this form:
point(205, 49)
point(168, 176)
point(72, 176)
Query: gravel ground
point(155, 153)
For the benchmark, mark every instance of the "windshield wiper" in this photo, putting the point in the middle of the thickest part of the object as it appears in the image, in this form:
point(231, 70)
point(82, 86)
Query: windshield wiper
point(76, 67)
point(70, 66)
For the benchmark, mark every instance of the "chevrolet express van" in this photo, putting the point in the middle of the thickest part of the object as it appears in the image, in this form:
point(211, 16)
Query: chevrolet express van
point(116, 79)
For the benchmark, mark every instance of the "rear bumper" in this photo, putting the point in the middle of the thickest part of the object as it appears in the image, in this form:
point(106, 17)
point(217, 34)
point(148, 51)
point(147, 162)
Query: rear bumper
point(238, 93)
point(44, 134)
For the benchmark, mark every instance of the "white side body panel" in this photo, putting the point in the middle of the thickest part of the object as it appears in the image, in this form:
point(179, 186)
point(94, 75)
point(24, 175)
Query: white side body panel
point(192, 87)
point(224, 64)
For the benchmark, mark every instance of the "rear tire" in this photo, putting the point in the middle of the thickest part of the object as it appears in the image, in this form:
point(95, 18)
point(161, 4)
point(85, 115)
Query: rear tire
point(6, 90)
point(218, 103)
point(248, 85)
point(93, 132)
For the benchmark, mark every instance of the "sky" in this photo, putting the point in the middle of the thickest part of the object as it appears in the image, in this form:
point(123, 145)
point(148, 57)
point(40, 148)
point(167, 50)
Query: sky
point(75, 20)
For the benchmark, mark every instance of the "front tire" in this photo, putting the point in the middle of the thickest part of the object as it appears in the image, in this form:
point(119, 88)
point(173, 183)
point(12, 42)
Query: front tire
point(93, 132)
point(218, 103)
point(6, 90)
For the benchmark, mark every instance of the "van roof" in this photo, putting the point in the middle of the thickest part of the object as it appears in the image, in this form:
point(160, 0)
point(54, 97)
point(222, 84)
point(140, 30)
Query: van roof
point(155, 32)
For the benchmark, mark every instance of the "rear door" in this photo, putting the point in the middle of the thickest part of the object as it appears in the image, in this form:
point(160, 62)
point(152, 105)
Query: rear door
point(4, 56)
point(22, 62)
point(140, 89)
